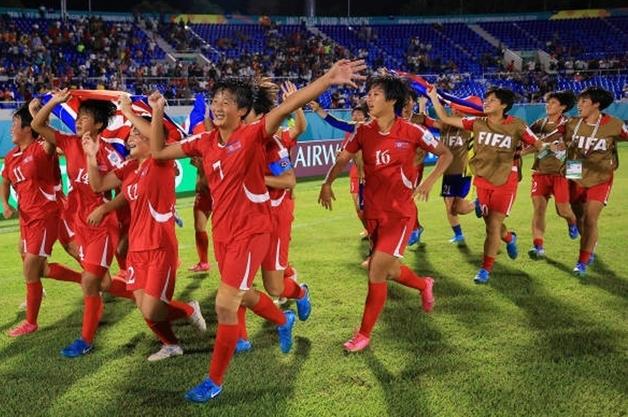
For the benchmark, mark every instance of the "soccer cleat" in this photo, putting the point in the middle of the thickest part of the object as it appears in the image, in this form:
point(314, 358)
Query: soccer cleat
point(304, 304)
point(166, 351)
point(280, 301)
point(285, 331)
point(204, 391)
point(22, 329)
point(196, 319)
point(478, 208)
point(536, 253)
point(357, 343)
point(482, 276)
point(580, 270)
point(573, 232)
point(415, 236)
point(511, 247)
point(457, 240)
point(591, 259)
point(22, 307)
point(77, 348)
point(427, 296)
point(199, 267)
point(243, 345)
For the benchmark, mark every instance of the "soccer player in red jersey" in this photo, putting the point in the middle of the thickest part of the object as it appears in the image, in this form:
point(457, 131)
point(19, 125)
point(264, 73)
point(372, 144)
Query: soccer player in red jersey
point(30, 170)
point(148, 187)
point(233, 157)
point(97, 244)
point(388, 144)
point(591, 161)
point(202, 210)
point(548, 178)
point(496, 163)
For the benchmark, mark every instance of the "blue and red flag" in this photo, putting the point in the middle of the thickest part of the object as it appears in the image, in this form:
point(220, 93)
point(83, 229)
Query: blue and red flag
point(195, 121)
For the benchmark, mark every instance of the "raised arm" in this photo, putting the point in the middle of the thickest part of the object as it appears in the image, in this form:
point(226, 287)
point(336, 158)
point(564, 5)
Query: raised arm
point(140, 123)
point(300, 124)
point(40, 119)
point(157, 138)
point(427, 120)
point(441, 113)
point(316, 108)
point(97, 181)
point(327, 194)
point(342, 72)
point(286, 180)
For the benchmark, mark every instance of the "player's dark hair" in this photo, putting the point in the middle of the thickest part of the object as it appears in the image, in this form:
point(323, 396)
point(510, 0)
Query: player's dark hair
point(102, 111)
point(248, 96)
point(394, 89)
point(597, 95)
point(504, 95)
point(264, 96)
point(565, 98)
point(25, 118)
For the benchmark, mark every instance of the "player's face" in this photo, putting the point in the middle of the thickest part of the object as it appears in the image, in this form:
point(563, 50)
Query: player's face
point(377, 103)
point(586, 107)
point(224, 106)
point(408, 109)
point(138, 145)
point(85, 123)
point(358, 116)
point(553, 107)
point(492, 105)
point(18, 133)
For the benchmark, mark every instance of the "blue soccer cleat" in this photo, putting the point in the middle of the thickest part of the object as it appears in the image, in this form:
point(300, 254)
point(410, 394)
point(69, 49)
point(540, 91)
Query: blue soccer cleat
point(457, 240)
point(482, 276)
point(204, 391)
point(573, 231)
point(77, 348)
point(591, 259)
point(304, 304)
point(580, 270)
point(285, 331)
point(511, 247)
point(243, 345)
point(415, 236)
point(478, 208)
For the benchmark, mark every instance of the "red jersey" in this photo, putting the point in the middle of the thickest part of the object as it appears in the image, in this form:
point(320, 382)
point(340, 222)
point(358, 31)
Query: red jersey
point(277, 162)
point(235, 175)
point(149, 189)
point(32, 173)
point(389, 167)
point(86, 199)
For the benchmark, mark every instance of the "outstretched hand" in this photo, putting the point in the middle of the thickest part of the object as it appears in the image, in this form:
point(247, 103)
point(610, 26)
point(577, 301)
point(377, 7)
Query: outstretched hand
point(346, 72)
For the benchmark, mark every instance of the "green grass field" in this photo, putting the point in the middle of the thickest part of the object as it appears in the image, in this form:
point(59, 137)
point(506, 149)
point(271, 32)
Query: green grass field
point(535, 342)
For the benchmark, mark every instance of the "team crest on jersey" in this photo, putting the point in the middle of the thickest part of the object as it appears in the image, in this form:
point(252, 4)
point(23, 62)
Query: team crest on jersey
point(115, 159)
point(402, 145)
point(28, 159)
point(233, 147)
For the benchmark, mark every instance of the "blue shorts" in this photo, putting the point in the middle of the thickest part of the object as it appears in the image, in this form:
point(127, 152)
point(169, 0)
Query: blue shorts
point(455, 186)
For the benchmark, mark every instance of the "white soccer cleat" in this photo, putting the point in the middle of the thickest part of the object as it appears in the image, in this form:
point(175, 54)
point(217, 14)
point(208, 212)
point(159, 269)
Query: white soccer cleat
point(166, 351)
point(196, 319)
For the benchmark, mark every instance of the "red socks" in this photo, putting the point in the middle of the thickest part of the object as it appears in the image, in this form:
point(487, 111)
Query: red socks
point(242, 323)
point(34, 292)
point(488, 263)
point(202, 244)
point(408, 278)
point(507, 237)
point(179, 310)
point(61, 273)
point(374, 305)
point(118, 289)
point(584, 257)
point(224, 347)
point(289, 271)
point(92, 305)
point(538, 243)
point(163, 331)
point(266, 309)
point(291, 289)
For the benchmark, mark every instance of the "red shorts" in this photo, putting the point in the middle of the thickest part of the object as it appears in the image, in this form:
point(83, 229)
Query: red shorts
point(598, 192)
point(38, 236)
point(277, 257)
point(390, 235)
point(497, 198)
point(97, 246)
point(354, 179)
point(154, 271)
point(239, 260)
point(203, 203)
point(547, 185)
point(66, 229)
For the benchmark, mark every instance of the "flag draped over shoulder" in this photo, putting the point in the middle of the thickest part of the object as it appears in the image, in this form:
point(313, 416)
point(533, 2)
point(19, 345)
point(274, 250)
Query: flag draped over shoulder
point(119, 128)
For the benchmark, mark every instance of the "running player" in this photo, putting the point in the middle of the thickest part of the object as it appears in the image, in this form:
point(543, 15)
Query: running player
point(496, 165)
point(148, 188)
point(388, 145)
point(591, 160)
point(233, 157)
point(548, 178)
